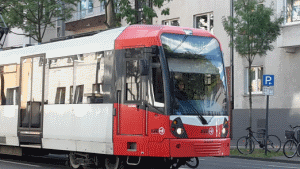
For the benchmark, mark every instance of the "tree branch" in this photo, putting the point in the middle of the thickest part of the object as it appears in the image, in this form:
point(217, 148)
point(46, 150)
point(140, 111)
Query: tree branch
point(24, 16)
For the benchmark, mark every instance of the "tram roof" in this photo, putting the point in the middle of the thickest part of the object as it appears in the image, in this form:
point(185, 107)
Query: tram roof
point(148, 35)
point(134, 35)
point(98, 42)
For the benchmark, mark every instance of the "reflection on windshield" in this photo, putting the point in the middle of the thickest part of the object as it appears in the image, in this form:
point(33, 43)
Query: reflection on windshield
point(198, 71)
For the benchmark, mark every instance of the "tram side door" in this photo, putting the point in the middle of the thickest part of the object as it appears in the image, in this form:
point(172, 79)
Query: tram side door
point(133, 109)
point(31, 100)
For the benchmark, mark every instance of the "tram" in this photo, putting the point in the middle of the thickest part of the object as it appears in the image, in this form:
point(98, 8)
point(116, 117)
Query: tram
point(137, 95)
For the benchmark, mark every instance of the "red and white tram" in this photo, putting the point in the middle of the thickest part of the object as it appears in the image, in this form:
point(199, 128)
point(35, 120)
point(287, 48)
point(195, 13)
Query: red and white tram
point(126, 96)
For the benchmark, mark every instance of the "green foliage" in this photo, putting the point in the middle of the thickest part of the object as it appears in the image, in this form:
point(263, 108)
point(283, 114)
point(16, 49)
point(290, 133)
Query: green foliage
point(34, 16)
point(254, 28)
point(125, 9)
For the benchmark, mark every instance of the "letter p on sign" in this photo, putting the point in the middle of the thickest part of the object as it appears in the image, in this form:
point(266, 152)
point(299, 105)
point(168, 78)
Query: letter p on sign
point(268, 80)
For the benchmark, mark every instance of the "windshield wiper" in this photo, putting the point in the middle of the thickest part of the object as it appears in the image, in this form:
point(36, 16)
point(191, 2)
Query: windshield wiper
point(201, 118)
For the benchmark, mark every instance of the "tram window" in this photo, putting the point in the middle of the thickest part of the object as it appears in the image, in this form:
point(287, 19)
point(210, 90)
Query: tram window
point(134, 53)
point(78, 94)
point(12, 96)
point(71, 95)
point(132, 81)
point(84, 70)
point(97, 88)
point(60, 95)
point(158, 84)
point(9, 84)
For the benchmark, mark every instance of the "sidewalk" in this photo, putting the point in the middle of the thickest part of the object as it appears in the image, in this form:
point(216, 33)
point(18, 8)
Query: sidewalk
point(282, 159)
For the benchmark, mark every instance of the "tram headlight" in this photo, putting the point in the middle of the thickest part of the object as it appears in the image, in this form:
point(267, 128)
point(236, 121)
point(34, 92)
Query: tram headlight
point(177, 128)
point(223, 131)
point(225, 128)
point(179, 131)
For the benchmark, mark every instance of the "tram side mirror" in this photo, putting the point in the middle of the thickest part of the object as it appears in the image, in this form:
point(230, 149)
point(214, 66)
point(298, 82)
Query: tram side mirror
point(144, 67)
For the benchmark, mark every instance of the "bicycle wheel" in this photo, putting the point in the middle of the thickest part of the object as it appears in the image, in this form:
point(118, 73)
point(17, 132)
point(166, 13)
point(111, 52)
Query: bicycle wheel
point(245, 145)
point(290, 148)
point(193, 162)
point(273, 143)
point(298, 148)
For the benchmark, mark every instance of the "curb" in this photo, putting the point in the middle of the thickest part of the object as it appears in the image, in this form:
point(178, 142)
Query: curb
point(266, 159)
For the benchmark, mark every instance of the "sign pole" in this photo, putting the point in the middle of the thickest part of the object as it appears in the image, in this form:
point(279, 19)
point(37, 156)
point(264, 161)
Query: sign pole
point(268, 83)
point(267, 119)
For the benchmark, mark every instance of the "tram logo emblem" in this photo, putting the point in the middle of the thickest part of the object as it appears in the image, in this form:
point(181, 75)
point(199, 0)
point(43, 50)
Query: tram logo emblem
point(161, 131)
point(211, 131)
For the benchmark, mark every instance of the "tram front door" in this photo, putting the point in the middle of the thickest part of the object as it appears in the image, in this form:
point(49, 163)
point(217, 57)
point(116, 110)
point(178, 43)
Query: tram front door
point(31, 101)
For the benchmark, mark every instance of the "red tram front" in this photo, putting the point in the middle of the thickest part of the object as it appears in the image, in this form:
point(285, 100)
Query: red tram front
point(171, 95)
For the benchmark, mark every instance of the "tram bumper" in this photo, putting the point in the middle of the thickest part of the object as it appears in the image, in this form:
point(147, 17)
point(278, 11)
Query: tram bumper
point(199, 147)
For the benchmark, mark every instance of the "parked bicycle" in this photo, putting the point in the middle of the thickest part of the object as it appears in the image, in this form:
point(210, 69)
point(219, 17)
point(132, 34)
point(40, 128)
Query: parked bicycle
point(290, 146)
point(246, 144)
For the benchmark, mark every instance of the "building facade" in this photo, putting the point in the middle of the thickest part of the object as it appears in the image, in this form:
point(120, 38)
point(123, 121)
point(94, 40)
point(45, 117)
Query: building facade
point(89, 16)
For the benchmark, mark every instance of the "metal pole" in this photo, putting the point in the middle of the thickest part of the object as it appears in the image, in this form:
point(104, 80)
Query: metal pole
point(63, 24)
point(232, 57)
point(232, 67)
point(267, 119)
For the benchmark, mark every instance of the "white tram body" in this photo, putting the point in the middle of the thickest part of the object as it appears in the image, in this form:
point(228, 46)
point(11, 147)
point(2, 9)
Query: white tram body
point(108, 96)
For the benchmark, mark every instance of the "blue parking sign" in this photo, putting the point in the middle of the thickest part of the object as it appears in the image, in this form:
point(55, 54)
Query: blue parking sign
point(268, 80)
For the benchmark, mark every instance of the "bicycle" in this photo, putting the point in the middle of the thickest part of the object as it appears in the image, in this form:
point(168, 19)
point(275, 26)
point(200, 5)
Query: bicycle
point(290, 147)
point(246, 145)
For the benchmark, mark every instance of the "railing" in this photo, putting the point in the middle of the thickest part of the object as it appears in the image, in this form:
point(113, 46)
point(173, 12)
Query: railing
point(78, 15)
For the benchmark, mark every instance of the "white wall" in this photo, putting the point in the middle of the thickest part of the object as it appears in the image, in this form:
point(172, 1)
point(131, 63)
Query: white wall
point(13, 40)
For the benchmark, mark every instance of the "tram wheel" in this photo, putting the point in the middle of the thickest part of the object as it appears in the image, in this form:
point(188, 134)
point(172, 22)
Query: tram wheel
point(193, 162)
point(113, 162)
point(73, 163)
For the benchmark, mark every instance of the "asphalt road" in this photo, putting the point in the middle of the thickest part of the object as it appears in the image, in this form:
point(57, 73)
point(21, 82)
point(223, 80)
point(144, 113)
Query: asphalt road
point(59, 162)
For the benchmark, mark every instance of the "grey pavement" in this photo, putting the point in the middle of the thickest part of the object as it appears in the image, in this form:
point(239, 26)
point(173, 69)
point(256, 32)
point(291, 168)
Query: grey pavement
point(282, 159)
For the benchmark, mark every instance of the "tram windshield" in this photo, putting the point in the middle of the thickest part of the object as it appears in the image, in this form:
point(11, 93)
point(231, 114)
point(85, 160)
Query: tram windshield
point(197, 71)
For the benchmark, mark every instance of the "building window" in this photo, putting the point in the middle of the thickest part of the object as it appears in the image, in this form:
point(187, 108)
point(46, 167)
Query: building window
point(172, 22)
point(204, 21)
point(85, 7)
point(256, 75)
point(60, 95)
point(78, 94)
point(292, 11)
point(102, 7)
